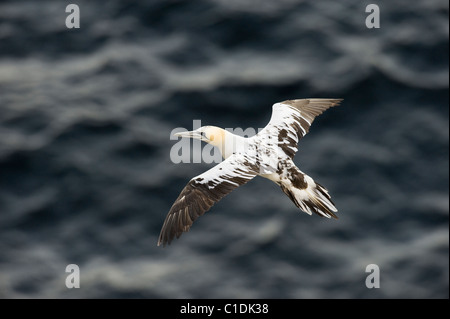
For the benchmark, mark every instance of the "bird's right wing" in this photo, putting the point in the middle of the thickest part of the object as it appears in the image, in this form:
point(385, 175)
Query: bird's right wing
point(291, 120)
point(202, 192)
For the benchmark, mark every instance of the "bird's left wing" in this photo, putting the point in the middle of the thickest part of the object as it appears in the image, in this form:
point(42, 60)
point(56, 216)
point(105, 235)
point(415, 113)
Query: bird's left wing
point(202, 192)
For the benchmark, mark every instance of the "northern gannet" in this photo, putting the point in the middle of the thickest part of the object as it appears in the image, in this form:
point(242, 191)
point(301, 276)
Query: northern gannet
point(268, 154)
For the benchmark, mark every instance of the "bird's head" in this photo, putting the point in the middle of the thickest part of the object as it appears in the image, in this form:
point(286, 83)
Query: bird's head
point(210, 134)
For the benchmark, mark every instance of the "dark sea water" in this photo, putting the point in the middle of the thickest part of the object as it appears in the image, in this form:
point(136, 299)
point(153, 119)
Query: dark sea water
point(86, 176)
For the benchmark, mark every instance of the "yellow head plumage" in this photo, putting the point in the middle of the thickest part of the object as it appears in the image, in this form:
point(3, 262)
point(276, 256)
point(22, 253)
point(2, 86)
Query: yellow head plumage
point(214, 135)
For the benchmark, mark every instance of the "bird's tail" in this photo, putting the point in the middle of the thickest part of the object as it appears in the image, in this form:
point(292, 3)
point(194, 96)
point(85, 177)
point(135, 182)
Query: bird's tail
point(309, 196)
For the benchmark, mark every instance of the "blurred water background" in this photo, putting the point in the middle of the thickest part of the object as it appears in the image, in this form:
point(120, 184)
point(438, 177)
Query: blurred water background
point(86, 177)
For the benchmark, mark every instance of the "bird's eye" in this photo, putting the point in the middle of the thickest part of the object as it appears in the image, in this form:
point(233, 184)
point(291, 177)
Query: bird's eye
point(203, 134)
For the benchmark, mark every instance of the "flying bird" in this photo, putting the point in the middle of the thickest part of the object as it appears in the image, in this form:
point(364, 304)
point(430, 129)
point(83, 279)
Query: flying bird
point(268, 154)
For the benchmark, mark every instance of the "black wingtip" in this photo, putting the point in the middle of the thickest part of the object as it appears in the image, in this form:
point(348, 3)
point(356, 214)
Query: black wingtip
point(162, 243)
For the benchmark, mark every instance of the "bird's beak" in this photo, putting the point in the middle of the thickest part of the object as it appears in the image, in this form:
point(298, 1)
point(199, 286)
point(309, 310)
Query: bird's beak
point(191, 134)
